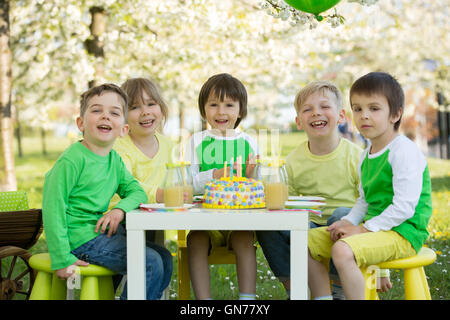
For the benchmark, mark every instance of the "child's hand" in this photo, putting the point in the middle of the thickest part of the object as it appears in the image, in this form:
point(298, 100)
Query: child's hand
point(159, 195)
point(112, 218)
point(335, 227)
point(66, 272)
point(343, 229)
point(385, 284)
point(250, 165)
point(218, 173)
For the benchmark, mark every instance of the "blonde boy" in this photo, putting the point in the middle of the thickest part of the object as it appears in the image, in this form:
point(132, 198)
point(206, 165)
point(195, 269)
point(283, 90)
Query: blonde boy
point(324, 165)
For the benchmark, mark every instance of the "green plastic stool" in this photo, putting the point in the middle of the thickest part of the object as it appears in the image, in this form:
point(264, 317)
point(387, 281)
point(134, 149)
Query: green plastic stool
point(96, 283)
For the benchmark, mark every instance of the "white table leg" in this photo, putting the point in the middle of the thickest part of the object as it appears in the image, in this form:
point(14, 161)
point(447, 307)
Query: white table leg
point(299, 264)
point(136, 279)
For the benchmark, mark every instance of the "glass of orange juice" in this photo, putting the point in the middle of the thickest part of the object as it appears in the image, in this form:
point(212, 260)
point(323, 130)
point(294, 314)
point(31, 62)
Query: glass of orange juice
point(188, 184)
point(285, 177)
point(274, 184)
point(173, 186)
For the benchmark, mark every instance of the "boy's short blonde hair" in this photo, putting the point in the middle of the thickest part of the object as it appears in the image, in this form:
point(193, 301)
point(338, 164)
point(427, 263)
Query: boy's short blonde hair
point(317, 86)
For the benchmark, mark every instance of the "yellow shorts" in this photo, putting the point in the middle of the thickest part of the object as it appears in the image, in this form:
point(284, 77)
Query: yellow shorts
point(369, 248)
point(221, 238)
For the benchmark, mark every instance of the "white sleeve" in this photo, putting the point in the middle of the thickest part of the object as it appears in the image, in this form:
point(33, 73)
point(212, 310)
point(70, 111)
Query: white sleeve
point(255, 147)
point(252, 142)
point(199, 178)
point(408, 164)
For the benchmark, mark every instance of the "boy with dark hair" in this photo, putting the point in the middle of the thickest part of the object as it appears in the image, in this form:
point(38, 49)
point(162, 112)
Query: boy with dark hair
point(389, 220)
point(223, 104)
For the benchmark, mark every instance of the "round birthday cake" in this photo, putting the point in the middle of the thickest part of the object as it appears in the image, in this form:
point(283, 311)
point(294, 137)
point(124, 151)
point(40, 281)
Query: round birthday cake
point(234, 193)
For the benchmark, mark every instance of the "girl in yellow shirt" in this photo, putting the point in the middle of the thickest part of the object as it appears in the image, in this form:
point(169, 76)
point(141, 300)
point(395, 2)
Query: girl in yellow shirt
point(145, 151)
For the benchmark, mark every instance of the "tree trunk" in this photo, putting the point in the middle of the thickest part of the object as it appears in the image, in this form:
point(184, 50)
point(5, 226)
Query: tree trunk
point(19, 138)
point(181, 119)
point(94, 46)
point(43, 143)
point(8, 180)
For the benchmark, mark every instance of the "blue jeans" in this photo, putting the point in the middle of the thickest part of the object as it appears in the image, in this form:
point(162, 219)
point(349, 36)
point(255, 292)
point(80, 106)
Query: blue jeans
point(112, 254)
point(276, 246)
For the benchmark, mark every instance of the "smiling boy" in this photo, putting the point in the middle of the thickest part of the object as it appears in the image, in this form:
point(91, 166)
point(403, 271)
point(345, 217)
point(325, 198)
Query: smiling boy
point(223, 104)
point(79, 187)
point(324, 165)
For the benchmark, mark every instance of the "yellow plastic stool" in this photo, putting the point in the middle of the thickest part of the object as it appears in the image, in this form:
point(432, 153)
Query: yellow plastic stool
point(96, 281)
point(416, 285)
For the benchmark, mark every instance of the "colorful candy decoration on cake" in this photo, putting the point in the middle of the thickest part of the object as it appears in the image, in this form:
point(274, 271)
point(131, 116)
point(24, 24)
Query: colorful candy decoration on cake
point(234, 193)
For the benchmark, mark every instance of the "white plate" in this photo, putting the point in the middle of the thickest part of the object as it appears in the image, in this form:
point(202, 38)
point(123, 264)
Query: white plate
point(306, 198)
point(161, 206)
point(303, 204)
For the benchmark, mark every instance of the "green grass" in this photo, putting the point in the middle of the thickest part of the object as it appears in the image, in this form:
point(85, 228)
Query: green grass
point(30, 171)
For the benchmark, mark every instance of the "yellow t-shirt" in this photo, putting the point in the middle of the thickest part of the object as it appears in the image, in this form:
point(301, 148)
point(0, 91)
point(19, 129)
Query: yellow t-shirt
point(149, 172)
point(333, 176)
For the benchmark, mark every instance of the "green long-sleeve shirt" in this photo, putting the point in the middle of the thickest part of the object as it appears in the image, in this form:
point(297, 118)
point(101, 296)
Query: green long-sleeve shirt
point(77, 191)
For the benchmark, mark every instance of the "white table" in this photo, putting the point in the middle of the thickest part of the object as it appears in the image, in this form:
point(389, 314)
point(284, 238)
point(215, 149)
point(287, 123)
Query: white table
point(137, 221)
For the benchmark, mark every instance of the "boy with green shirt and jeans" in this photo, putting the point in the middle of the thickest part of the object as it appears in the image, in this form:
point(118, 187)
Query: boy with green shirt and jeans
point(389, 220)
point(79, 187)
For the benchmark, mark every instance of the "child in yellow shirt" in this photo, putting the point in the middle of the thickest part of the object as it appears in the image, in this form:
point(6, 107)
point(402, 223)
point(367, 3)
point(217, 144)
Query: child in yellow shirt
point(145, 151)
point(324, 165)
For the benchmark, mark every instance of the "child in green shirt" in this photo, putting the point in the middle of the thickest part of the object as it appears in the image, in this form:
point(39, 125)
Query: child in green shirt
point(79, 187)
point(223, 103)
point(390, 217)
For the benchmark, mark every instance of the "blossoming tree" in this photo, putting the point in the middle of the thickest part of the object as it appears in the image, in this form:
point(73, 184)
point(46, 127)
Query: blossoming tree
point(180, 43)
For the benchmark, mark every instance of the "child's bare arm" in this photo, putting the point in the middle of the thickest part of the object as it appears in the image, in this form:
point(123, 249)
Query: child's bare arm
point(159, 195)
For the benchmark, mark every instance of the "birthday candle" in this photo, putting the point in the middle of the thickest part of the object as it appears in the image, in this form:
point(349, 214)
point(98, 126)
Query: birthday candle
point(239, 167)
point(225, 169)
point(231, 169)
